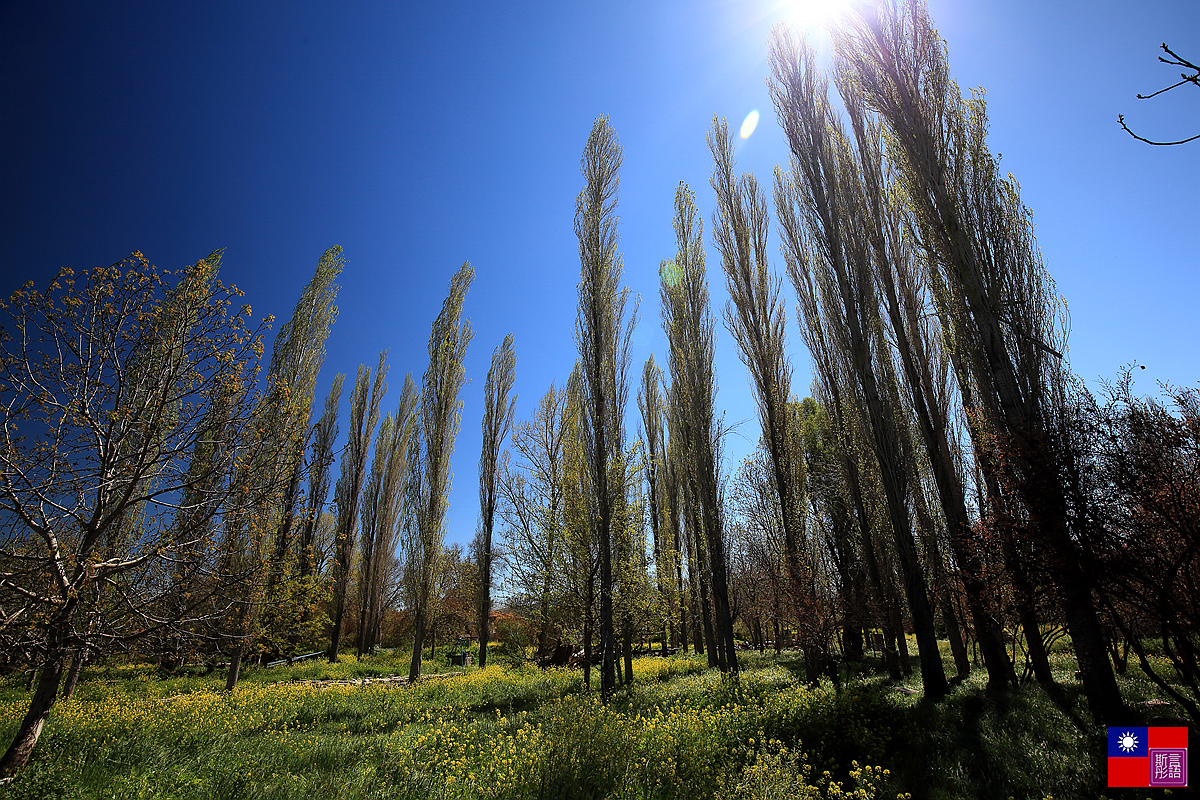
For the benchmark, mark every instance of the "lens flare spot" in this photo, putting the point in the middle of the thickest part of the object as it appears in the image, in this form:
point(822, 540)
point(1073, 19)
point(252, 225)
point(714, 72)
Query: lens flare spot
point(749, 124)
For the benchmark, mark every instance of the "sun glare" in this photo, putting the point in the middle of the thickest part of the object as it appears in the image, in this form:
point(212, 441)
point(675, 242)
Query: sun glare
point(805, 15)
point(749, 124)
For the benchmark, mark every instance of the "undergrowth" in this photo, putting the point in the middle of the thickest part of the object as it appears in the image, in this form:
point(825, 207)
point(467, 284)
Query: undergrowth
point(680, 731)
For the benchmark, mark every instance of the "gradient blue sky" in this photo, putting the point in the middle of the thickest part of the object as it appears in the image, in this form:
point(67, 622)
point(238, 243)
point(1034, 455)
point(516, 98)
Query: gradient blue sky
point(421, 135)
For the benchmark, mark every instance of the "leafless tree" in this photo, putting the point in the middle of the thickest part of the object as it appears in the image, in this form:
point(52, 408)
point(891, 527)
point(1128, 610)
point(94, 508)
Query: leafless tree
point(531, 507)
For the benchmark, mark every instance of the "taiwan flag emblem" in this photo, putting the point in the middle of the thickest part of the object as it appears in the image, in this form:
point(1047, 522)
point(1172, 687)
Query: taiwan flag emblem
point(1147, 757)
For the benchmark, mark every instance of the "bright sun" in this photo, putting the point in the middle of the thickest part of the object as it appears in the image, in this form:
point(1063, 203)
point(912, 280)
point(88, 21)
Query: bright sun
point(804, 15)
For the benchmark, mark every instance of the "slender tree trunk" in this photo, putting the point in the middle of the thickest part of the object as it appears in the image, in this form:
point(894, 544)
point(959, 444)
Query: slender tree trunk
point(723, 633)
point(73, 676)
point(941, 588)
point(901, 640)
point(414, 668)
point(852, 641)
point(544, 610)
point(365, 645)
point(859, 602)
point(702, 574)
point(683, 616)
point(17, 755)
point(607, 638)
point(587, 650)
point(283, 535)
point(962, 663)
point(1033, 640)
point(1083, 623)
point(697, 632)
point(682, 610)
point(1026, 611)
point(891, 656)
point(627, 623)
point(485, 609)
point(235, 668)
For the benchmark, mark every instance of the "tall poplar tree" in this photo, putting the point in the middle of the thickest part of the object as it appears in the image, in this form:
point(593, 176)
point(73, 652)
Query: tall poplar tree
point(688, 324)
point(319, 463)
point(498, 411)
point(440, 416)
point(997, 304)
point(383, 504)
point(650, 404)
point(756, 319)
point(364, 415)
point(602, 336)
point(277, 448)
point(296, 360)
point(833, 252)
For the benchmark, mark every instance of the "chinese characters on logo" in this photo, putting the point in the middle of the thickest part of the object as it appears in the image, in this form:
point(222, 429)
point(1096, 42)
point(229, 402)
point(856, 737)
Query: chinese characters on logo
point(1168, 766)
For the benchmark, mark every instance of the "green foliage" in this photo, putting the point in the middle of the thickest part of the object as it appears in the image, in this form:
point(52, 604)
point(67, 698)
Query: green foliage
point(680, 731)
point(515, 636)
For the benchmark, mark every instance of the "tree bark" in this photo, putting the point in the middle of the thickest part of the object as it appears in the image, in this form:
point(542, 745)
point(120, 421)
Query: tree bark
point(40, 704)
point(962, 663)
point(485, 630)
point(852, 641)
point(73, 676)
point(587, 650)
point(698, 550)
point(414, 668)
point(235, 668)
point(1038, 658)
point(627, 623)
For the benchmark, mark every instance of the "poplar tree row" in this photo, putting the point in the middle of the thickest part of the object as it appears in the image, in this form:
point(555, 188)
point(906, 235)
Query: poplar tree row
point(940, 479)
point(948, 476)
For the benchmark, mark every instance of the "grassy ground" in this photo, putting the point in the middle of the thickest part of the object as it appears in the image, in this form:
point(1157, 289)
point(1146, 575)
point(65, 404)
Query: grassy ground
point(679, 732)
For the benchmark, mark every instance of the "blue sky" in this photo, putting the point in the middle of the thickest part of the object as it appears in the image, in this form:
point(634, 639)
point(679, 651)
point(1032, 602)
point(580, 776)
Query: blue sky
point(422, 135)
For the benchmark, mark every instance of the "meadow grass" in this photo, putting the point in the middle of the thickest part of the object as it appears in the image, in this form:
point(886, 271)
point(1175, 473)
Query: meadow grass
point(680, 731)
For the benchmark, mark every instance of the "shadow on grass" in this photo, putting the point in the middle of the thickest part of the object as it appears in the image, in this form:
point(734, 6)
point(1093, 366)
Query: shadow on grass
point(1022, 742)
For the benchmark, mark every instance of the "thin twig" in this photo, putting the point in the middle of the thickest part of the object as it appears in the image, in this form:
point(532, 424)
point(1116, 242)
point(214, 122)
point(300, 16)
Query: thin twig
point(1192, 79)
point(1121, 119)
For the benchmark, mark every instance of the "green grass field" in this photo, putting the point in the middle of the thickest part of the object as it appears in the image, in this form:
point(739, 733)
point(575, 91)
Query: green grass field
point(678, 732)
